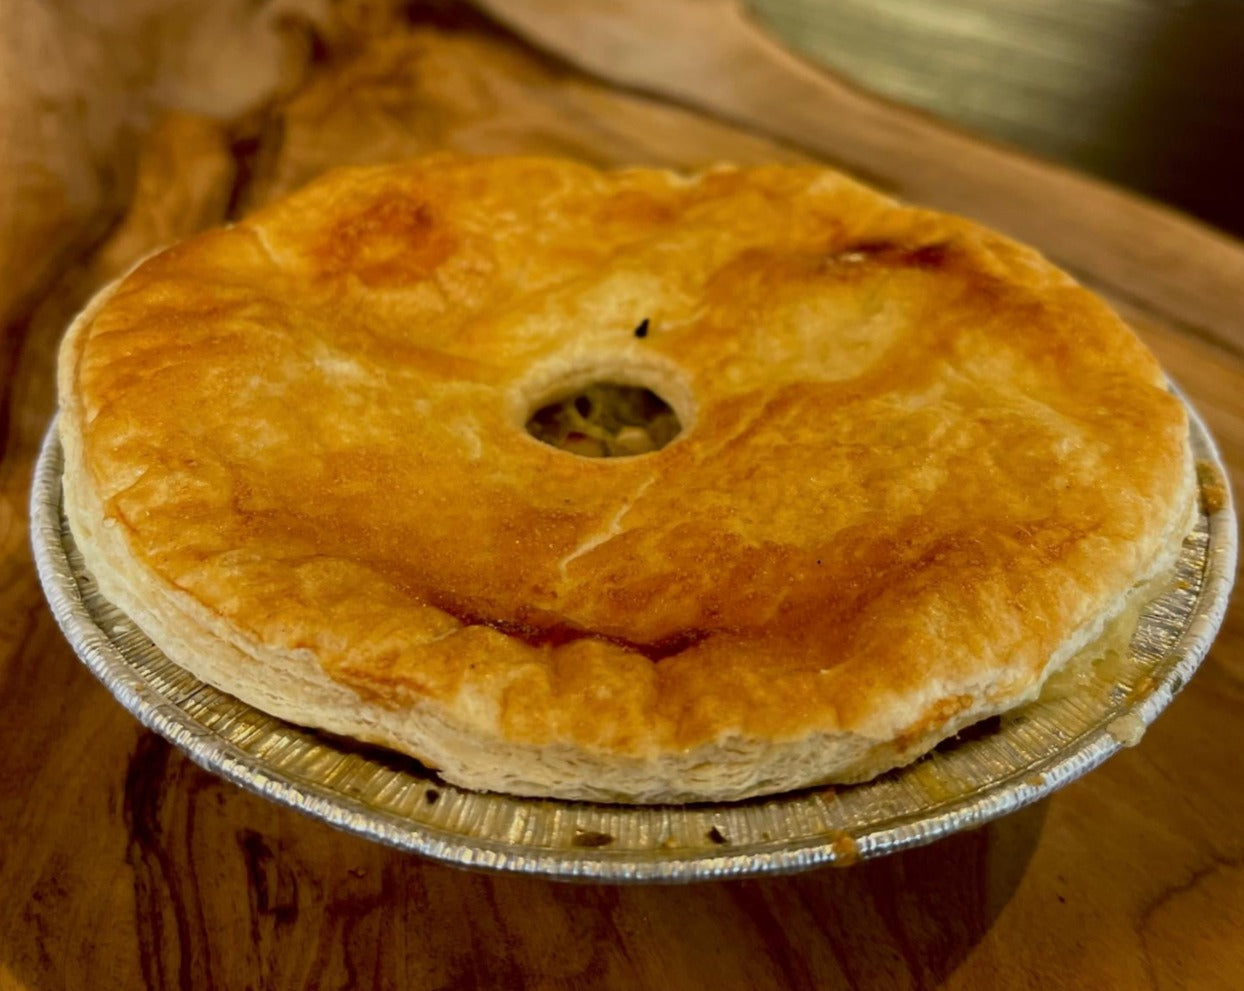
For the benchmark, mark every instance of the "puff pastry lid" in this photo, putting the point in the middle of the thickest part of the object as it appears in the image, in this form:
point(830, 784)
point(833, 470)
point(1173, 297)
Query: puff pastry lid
point(918, 466)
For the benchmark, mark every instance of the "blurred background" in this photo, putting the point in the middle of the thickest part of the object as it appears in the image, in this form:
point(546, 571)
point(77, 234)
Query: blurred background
point(1145, 93)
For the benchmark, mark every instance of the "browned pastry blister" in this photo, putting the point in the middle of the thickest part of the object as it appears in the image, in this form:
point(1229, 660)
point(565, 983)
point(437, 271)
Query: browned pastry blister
point(918, 468)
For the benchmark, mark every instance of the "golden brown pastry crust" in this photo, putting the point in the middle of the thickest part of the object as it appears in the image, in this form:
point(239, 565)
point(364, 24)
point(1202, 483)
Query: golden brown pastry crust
point(919, 467)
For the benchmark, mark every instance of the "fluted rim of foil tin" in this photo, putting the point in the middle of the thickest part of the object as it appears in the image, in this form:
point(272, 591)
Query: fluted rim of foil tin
point(392, 800)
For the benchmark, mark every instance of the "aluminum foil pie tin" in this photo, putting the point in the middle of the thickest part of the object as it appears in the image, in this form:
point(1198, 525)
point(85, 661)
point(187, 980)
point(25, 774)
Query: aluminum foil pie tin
point(985, 773)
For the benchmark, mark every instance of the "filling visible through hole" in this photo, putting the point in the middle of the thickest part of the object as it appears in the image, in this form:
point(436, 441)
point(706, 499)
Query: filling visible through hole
point(606, 420)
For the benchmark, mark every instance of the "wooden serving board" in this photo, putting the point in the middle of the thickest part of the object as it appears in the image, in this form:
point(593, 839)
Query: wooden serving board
point(124, 866)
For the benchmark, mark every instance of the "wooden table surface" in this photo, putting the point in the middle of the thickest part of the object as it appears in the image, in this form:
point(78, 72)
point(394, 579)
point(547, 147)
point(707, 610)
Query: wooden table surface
point(123, 865)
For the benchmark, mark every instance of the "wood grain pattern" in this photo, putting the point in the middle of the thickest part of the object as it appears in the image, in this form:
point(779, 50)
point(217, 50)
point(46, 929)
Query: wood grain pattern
point(125, 866)
point(1106, 86)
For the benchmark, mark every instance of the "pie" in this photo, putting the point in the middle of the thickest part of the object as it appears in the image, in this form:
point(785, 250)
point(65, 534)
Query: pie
point(904, 469)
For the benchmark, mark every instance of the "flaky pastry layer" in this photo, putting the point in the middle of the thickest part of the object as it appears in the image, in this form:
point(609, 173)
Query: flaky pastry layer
point(919, 468)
